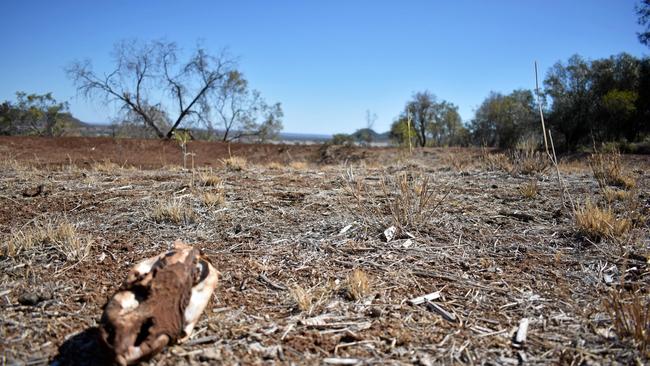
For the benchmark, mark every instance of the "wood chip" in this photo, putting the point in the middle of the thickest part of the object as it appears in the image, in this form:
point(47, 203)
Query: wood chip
point(440, 311)
point(341, 361)
point(520, 336)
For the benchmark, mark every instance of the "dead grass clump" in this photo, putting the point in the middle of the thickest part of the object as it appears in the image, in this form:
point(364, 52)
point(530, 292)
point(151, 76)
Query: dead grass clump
point(234, 163)
point(213, 199)
point(529, 189)
point(405, 201)
point(274, 165)
point(612, 194)
point(530, 162)
point(357, 285)
point(608, 170)
point(211, 180)
point(298, 165)
point(631, 318)
point(301, 297)
point(598, 223)
point(174, 211)
point(458, 161)
point(63, 238)
point(106, 166)
point(497, 161)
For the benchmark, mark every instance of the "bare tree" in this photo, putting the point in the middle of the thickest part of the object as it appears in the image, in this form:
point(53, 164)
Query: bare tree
point(141, 69)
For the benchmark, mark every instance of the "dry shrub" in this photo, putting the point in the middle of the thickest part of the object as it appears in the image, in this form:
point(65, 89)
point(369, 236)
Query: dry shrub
point(301, 297)
point(357, 285)
point(608, 170)
point(298, 165)
point(597, 223)
point(62, 237)
point(529, 189)
point(234, 163)
point(174, 211)
point(631, 317)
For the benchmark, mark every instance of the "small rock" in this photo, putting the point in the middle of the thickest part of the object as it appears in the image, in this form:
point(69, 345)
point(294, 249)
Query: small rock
point(374, 312)
point(29, 299)
point(33, 191)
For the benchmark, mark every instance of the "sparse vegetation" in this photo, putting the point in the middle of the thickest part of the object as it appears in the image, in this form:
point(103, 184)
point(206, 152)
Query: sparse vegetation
point(174, 211)
point(608, 170)
point(62, 237)
point(597, 223)
point(213, 198)
point(630, 315)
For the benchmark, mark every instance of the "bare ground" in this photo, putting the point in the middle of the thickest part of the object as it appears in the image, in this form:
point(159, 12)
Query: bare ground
point(495, 256)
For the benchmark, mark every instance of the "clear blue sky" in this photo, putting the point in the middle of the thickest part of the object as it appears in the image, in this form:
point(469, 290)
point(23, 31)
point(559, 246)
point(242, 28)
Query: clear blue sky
point(327, 62)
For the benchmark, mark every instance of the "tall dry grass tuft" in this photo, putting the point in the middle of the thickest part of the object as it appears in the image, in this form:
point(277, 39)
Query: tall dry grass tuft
point(608, 169)
point(631, 318)
point(405, 201)
point(174, 211)
point(598, 223)
point(235, 163)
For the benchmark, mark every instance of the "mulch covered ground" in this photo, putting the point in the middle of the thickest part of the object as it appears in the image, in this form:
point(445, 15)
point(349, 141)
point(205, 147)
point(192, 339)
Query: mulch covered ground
point(496, 259)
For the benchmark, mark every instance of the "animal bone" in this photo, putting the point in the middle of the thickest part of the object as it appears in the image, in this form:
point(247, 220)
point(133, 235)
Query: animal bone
point(159, 303)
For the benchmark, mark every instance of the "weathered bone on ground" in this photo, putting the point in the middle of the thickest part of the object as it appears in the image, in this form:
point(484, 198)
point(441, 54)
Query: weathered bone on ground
point(159, 303)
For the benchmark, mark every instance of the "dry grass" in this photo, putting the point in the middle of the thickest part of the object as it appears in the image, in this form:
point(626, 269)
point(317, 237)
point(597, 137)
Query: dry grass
point(214, 198)
point(274, 165)
point(357, 285)
point(106, 167)
point(458, 161)
point(298, 165)
point(234, 163)
point(608, 170)
point(530, 162)
point(211, 180)
point(631, 318)
point(597, 223)
point(174, 211)
point(301, 297)
point(529, 189)
point(405, 201)
point(612, 194)
point(496, 161)
point(62, 237)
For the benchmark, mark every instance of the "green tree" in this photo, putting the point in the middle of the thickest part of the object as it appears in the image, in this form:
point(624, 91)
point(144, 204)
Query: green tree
point(573, 104)
point(434, 122)
point(33, 114)
point(643, 11)
point(504, 120)
point(400, 134)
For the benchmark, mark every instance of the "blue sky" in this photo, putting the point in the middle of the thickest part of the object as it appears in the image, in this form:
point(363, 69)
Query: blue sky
point(327, 62)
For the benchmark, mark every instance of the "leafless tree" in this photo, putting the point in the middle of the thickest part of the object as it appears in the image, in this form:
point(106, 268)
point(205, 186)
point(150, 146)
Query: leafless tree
point(143, 68)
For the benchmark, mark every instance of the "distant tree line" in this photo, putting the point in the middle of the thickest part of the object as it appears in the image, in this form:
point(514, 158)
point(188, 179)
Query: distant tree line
point(603, 100)
point(34, 114)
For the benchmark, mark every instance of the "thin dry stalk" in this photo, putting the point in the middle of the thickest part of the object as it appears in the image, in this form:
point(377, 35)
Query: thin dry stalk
point(631, 318)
